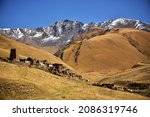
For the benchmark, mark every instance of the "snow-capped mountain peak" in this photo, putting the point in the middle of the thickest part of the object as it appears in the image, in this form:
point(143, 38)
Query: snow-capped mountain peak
point(63, 31)
point(123, 23)
point(59, 33)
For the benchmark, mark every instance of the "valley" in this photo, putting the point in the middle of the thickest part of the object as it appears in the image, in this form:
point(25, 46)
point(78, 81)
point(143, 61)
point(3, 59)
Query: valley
point(97, 63)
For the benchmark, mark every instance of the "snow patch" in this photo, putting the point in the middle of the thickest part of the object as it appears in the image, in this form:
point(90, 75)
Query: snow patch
point(59, 30)
point(18, 33)
point(50, 38)
point(28, 31)
point(68, 41)
point(119, 21)
point(38, 34)
point(84, 27)
point(20, 36)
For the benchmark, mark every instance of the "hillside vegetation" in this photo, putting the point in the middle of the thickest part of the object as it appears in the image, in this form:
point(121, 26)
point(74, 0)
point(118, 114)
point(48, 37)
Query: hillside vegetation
point(24, 50)
point(112, 51)
point(31, 83)
point(23, 82)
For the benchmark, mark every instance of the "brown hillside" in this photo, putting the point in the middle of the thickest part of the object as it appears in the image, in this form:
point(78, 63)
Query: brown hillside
point(25, 51)
point(115, 50)
point(21, 82)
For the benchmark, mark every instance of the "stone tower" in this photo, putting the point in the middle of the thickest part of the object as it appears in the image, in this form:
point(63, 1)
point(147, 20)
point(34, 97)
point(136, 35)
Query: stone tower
point(12, 54)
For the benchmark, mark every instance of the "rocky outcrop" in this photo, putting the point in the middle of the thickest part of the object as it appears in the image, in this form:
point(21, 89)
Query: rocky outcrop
point(59, 34)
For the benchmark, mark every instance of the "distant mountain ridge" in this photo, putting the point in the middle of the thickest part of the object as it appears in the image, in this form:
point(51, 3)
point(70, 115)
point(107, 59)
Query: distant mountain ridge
point(125, 23)
point(59, 33)
point(62, 32)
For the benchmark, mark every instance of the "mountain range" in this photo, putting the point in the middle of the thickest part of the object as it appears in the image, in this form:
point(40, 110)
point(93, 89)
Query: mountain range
point(112, 59)
point(63, 32)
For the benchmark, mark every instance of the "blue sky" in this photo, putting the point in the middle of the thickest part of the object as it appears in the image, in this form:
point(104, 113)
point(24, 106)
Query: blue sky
point(36, 13)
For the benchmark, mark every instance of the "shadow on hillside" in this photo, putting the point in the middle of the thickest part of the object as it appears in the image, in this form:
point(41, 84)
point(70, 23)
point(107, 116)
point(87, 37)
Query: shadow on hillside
point(132, 87)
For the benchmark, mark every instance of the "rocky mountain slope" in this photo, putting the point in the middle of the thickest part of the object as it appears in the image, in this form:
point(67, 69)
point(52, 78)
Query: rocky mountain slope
point(58, 34)
point(62, 32)
point(124, 23)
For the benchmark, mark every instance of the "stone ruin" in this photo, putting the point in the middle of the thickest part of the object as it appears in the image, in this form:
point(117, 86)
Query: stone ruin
point(55, 68)
point(12, 54)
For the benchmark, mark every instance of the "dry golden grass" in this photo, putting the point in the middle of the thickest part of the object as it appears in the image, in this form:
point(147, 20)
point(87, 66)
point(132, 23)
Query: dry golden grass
point(21, 82)
point(24, 50)
point(112, 52)
point(50, 49)
point(140, 74)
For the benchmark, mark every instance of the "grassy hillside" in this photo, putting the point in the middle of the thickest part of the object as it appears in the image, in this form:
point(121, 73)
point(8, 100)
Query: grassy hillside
point(24, 50)
point(23, 82)
point(113, 51)
point(31, 83)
